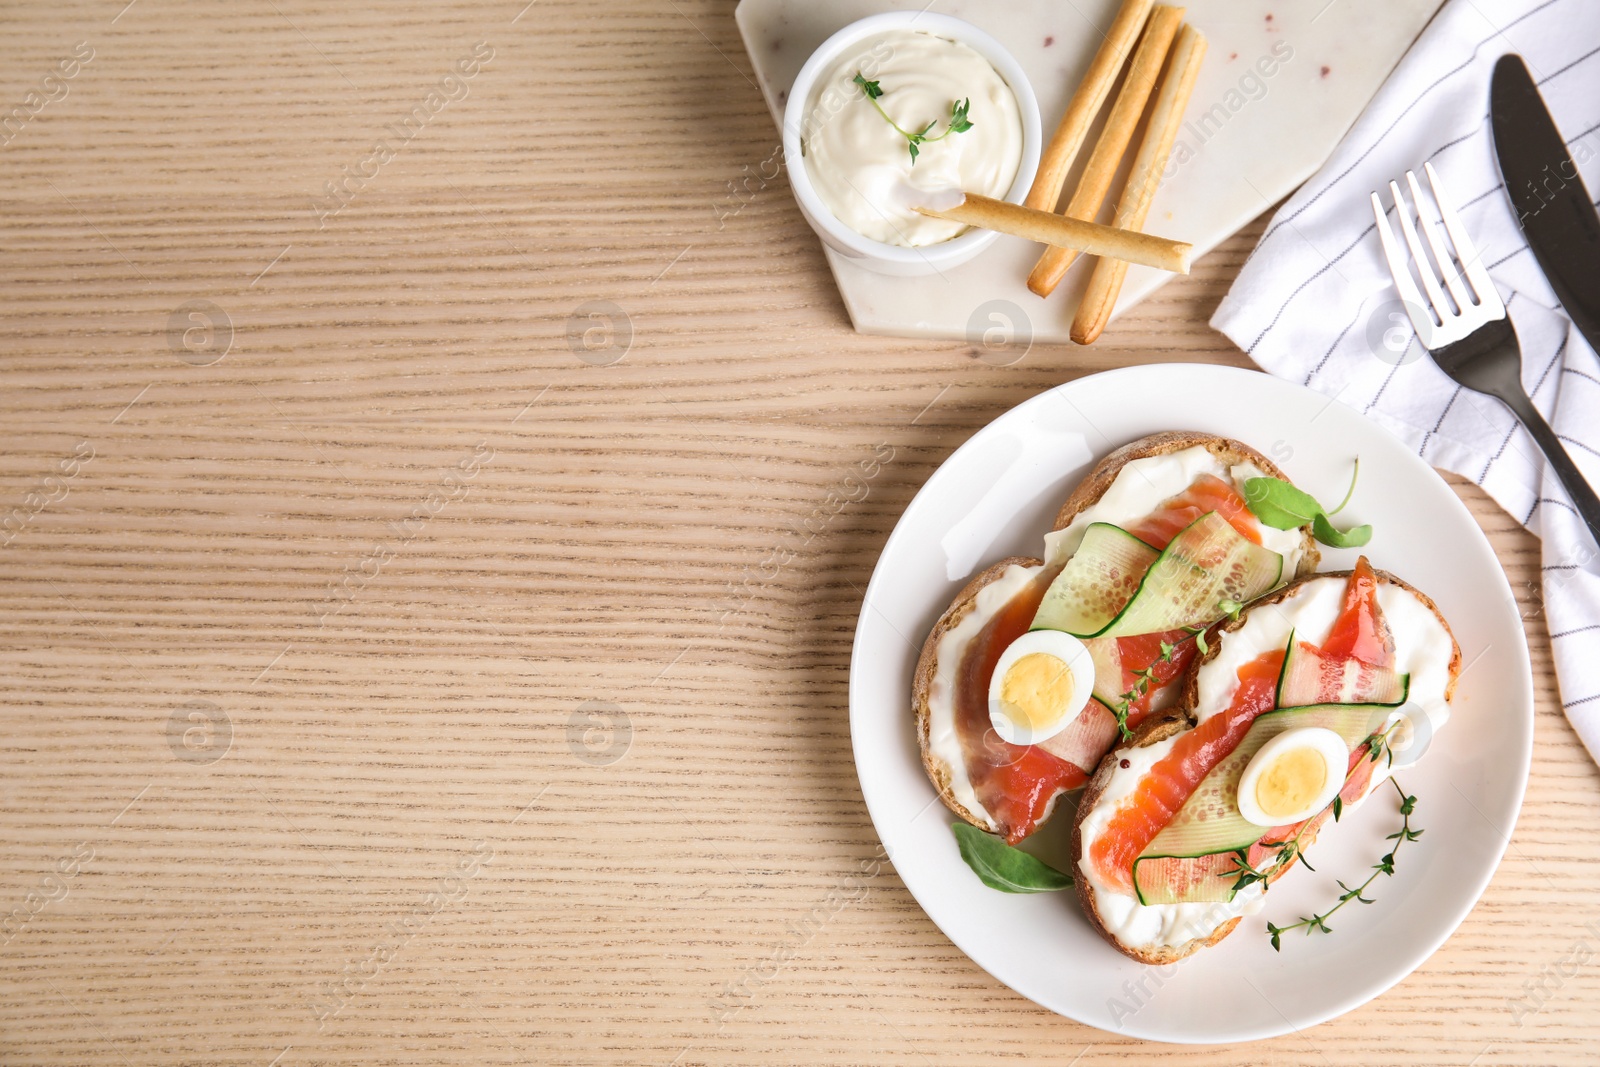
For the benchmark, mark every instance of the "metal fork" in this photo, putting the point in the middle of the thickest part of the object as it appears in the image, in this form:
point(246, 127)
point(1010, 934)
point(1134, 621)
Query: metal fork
point(1473, 342)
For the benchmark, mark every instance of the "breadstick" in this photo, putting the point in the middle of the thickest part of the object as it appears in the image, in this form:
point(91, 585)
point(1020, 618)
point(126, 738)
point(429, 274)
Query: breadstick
point(1105, 284)
point(1103, 162)
point(1085, 105)
point(1063, 231)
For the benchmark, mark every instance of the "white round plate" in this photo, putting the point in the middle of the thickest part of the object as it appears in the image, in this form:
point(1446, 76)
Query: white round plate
point(996, 496)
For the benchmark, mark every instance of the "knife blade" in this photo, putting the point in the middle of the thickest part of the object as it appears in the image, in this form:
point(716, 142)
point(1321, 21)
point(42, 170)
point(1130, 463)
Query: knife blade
point(1553, 207)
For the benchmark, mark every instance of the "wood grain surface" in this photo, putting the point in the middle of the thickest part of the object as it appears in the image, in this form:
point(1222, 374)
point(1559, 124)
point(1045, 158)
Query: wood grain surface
point(395, 665)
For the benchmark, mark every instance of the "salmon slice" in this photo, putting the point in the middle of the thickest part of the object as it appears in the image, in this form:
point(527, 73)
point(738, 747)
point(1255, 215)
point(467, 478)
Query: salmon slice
point(1361, 632)
point(1086, 738)
point(1205, 493)
point(1017, 795)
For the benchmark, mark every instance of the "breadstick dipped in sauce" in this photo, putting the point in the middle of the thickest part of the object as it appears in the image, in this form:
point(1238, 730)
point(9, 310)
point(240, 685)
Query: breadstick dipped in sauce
point(1058, 231)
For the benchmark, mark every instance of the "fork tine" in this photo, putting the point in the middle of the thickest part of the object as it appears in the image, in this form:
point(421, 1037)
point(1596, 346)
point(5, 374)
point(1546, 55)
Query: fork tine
point(1430, 285)
point(1416, 308)
point(1466, 251)
point(1452, 280)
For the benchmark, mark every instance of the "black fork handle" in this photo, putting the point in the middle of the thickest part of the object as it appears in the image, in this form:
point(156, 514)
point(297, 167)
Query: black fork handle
point(1578, 488)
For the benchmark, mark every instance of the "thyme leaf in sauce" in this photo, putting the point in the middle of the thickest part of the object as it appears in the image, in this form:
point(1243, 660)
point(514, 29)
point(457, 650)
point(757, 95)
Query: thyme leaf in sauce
point(958, 122)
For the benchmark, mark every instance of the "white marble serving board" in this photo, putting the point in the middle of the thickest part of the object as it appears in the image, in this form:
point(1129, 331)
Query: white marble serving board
point(1266, 134)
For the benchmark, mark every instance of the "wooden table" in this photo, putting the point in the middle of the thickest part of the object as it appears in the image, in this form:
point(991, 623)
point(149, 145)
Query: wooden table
point(395, 665)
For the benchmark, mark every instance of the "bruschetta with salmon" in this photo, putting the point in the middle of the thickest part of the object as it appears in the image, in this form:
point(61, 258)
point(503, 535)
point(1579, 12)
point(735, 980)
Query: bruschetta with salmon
point(1286, 721)
point(1041, 665)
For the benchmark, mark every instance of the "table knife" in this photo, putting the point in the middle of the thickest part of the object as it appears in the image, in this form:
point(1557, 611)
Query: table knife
point(1552, 205)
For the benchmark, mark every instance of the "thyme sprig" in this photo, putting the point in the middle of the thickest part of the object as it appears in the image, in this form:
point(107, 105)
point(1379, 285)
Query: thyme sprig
point(1380, 742)
point(1384, 866)
point(1145, 678)
point(1288, 852)
point(959, 123)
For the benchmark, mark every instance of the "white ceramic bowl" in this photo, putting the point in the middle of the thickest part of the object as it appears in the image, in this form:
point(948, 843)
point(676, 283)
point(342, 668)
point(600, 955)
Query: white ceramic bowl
point(876, 255)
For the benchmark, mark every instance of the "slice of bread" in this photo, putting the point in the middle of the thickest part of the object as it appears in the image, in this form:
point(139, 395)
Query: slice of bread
point(1148, 733)
point(938, 770)
point(1228, 451)
point(1183, 719)
point(1086, 495)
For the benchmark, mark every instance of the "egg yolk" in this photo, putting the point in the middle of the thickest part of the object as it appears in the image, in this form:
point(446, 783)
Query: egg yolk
point(1291, 781)
point(1036, 689)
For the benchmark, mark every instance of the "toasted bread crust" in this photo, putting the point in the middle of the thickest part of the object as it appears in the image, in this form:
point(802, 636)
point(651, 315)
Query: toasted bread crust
point(928, 665)
point(1184, 718)
point(1087, 493)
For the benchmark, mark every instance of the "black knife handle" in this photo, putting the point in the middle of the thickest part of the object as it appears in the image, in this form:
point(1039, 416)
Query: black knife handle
point(1578, 488)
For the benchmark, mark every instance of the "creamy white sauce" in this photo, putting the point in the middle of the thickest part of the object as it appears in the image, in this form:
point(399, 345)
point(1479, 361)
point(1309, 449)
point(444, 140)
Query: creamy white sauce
point(943, 741)
point(1423, 647)
point(860, 165)
point(1142, 484)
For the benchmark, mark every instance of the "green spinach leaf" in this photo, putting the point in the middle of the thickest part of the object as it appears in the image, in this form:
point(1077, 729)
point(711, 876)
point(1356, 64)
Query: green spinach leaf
point(999, 866)
point(1354, 537)
point(1283, 507)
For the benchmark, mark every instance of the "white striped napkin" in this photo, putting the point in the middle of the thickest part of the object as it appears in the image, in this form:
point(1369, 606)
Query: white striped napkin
point(1315, 303)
